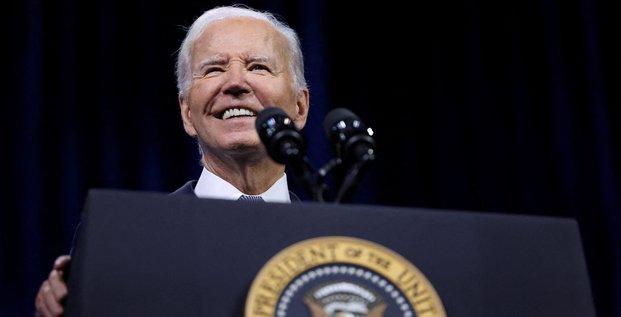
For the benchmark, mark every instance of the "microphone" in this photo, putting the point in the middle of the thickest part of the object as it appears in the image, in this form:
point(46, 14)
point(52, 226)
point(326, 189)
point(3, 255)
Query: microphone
point(354, 144)
point(281, 138)
point(352, 138)
point(286, 145)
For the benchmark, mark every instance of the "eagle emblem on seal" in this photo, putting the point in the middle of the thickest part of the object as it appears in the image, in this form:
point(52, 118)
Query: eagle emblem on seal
point(344, 299)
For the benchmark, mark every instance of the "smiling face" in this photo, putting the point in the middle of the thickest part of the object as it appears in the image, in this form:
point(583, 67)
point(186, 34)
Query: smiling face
point(240, 66)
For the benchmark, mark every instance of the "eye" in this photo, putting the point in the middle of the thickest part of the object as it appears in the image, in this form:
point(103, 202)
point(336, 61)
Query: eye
point(258, 68)
point(209, 72)
point(212, 70)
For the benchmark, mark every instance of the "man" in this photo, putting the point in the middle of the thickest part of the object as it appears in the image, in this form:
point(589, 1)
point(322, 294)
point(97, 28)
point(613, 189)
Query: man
point(233, 63)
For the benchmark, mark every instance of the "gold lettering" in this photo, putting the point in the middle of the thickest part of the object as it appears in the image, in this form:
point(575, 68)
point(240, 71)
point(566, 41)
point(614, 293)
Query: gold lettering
point(276, 276)
point(276, 279)
point(411, 285)
point(303, 259)
point(353, 252)
point(412, 290)
point(375, 259)
point(293, 264)
point(401, 279)
point(332, 250)
point(263, 305)
point(269, 288)
point(421, 301)
point(322, 254)
point(283, 271)
point(415, 290)
point(427, 310)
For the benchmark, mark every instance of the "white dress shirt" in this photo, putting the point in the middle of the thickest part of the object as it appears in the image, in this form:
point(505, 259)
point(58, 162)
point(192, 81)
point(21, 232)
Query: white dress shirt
point(210, 185)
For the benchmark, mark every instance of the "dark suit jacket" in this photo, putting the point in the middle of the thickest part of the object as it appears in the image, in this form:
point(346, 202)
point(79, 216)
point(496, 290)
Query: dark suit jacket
point(188, 189)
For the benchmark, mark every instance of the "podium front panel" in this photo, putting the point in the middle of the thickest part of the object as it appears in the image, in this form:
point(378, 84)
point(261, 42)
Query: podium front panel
point(152, 254)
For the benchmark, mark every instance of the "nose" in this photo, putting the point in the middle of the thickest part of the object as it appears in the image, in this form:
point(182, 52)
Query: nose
point(236, 81)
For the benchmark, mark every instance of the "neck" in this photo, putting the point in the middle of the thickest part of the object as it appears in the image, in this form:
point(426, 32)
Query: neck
point(250, 177)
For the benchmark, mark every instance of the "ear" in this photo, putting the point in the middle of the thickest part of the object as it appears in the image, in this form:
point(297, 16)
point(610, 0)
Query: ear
point(302, 105)
point(186, 116)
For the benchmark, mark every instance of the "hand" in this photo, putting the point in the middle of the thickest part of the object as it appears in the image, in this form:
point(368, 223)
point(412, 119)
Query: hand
point(51, 296)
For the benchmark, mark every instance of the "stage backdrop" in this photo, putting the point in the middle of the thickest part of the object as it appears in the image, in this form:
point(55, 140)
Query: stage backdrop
point(496, 106)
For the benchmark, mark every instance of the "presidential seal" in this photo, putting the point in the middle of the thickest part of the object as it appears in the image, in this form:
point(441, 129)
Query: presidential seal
point(340, 276)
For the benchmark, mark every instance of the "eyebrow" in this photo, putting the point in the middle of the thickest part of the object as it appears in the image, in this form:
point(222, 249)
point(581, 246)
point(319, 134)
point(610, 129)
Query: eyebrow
point(221, 60)
point(259, 58)
point(212, 60)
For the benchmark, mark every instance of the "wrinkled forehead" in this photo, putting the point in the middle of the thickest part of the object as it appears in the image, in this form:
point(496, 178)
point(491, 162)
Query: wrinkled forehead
point(240, 37)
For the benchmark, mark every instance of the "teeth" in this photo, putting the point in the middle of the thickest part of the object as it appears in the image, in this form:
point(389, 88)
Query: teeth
point(237, 112)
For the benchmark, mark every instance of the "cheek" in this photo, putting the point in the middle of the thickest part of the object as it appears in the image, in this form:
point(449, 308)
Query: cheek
point(204, 88)
point(272, 93)
point(199, 96)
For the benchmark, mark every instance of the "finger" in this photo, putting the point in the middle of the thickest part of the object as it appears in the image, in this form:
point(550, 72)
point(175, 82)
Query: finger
point(51, 302)
point(62, 261)
point(41, 308)
point(57, 285)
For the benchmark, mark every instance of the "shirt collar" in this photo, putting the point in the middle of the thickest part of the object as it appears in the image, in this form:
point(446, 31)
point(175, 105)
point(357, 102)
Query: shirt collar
point(210, 185)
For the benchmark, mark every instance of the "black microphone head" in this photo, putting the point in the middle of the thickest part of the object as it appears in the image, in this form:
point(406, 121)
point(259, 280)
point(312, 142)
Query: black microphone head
point(279, 134)
point(334, 116)
point(351, 137)
point(265, 117)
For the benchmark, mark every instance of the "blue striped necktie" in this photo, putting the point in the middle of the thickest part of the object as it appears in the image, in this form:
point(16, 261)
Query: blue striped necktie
point(250, 198)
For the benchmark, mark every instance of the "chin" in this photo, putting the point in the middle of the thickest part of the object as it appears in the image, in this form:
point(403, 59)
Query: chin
point(245, 146)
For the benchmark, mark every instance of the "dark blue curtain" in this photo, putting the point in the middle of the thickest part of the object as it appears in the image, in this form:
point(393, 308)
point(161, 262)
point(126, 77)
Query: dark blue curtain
point(496, 106)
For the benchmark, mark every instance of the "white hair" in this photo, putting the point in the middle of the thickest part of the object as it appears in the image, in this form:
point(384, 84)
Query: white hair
point(184, 67)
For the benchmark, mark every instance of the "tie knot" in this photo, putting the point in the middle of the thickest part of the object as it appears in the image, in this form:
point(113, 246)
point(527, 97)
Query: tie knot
point(250, 198)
